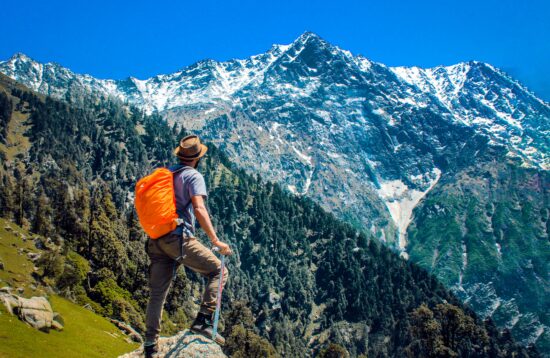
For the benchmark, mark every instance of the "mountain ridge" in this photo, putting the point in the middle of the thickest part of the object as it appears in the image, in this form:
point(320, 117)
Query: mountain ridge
point(276, 48)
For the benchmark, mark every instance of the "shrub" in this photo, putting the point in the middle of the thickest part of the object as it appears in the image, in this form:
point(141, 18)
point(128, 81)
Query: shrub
point(333, 350)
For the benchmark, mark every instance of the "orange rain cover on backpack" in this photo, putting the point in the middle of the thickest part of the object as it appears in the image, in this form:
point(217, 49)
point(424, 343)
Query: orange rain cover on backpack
point(156, 203)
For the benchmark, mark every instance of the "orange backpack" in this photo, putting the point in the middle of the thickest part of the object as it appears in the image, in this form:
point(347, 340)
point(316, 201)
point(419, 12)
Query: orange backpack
point(155, 203)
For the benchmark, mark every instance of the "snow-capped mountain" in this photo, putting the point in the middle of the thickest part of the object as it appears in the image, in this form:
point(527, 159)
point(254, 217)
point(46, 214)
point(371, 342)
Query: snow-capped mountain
point(476, 94)
point(483, 97)
point(368, 142)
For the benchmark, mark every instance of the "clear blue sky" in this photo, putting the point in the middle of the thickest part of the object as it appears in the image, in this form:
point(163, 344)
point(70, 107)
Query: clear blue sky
point(116, 39)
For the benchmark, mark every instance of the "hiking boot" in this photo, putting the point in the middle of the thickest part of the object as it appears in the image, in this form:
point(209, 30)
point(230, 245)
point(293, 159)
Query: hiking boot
point(150, 350)
point(203, 326)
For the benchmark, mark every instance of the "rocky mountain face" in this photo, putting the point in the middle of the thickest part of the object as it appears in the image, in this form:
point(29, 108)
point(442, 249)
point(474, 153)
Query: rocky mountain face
point(369, 143)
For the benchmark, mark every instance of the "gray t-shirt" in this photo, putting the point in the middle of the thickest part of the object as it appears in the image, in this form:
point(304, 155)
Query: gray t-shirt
point(188, 182)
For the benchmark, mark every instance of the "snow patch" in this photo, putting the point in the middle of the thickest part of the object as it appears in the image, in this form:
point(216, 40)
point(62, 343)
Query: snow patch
point(464, 263)
point(464, 256)
point(308, 183)
point(304, 157)
point(323, 114)
point(382, 113)
point(400, 201)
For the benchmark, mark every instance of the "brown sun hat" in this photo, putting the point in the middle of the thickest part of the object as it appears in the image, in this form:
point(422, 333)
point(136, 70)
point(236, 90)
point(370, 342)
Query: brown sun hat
point(190, 148)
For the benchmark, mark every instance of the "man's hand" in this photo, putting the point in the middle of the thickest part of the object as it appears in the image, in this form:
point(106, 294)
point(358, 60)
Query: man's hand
point(224, 248)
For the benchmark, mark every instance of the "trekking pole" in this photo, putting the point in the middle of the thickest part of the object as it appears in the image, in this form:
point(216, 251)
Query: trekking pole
point(219, 298)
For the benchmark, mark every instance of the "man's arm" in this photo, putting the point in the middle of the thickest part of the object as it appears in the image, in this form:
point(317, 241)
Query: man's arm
point(206, 224)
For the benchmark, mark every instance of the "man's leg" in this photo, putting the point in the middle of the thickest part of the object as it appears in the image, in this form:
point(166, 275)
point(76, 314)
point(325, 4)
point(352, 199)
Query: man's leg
point(197, 257)
point(160, 276)
point(201, 259)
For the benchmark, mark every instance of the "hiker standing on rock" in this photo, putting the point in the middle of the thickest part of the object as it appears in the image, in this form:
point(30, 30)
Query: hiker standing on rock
point(180, 246)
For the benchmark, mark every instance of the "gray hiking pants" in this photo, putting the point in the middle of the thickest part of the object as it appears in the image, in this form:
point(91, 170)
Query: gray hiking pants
point(167, 254)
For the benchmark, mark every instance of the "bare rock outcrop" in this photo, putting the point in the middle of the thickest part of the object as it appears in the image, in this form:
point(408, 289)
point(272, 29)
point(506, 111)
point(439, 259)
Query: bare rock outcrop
point(183, 345)
point(36, 311)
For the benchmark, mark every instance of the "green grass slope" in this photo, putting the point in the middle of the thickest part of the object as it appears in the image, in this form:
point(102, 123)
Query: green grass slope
point(15, 244)
point(85, 335)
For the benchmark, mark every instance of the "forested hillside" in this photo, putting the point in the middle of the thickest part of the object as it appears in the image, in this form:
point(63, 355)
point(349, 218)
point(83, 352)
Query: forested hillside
point(496, 252)
point(301, 279)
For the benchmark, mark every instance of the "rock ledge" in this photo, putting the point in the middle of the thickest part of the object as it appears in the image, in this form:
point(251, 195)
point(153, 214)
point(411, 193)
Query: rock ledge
point(183, 345)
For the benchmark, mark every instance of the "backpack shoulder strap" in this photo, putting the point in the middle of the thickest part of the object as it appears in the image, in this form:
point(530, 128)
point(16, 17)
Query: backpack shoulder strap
point(180, 170)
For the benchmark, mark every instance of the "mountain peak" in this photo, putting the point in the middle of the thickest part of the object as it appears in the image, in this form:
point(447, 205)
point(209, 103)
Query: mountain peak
point(309, 34)
point(20, 56)
point(311, 38)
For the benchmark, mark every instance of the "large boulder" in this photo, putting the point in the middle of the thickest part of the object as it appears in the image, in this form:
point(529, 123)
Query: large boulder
point(184, 345)
point(36, 311)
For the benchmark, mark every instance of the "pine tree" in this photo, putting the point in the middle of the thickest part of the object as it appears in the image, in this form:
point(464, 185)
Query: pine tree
point(104, 247)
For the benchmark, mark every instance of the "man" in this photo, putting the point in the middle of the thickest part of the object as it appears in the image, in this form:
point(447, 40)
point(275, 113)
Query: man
point(181, 247)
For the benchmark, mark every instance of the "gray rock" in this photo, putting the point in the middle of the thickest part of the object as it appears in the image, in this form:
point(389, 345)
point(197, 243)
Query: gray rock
point(184, 345)
point(33, 256)
point(36, 311)
point(8, 300)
